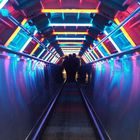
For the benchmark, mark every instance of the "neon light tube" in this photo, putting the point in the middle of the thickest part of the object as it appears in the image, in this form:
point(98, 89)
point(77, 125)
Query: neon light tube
point(85, 60)
point(96, 54)
point(52, 56)
point(125, 33)
point(99, 50)
point(62, 38)
point(90, 52)
point(103, 45)
point(40, 53)
point(71, 50)
point(65, 46)
point(48, 55)
point(90, 58)
point(70, 33)
point(15, 33)
point(71, 24)
point(86, 56)
point(27, 42)
point(55, 60)
point(46, 59)
point(69, 11)
point(70, 42)
point(36, 47)
point(2, 3)
point(112, 41)
point(119, 26)
point(45, 55)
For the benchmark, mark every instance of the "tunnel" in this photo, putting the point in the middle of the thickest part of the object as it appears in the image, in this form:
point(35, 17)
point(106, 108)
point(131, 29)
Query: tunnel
point(69, 69)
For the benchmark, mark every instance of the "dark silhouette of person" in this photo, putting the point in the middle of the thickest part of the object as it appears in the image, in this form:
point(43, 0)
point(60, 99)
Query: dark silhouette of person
point(71, 65)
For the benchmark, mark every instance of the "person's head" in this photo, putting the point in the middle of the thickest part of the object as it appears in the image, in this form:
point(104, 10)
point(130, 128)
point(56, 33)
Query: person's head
point(74, 55)
point(70, 56)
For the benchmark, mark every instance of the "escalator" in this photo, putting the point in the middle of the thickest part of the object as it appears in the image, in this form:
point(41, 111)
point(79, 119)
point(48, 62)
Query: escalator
point(69, 119)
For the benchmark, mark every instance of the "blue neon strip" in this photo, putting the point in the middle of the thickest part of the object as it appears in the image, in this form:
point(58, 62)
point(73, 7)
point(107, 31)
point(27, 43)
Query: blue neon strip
point(99, 50)
point(90, 52)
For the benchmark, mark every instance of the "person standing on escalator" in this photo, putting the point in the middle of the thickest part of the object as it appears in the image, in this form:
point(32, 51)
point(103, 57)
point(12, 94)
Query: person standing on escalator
point(71, 65)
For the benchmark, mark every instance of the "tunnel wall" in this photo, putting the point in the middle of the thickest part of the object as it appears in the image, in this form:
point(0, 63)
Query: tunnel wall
point(114, 92)
point(25, 91)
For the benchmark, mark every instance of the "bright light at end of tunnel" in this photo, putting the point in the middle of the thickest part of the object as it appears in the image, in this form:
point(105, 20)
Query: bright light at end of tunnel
point(69, 10)
point(70, 33)
point(2, 3)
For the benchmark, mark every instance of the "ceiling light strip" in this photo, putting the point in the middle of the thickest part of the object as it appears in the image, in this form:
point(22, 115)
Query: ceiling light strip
point(68, 38)
point(70, 33)
point(75, 43)
point(69, 10)
point(71, 24)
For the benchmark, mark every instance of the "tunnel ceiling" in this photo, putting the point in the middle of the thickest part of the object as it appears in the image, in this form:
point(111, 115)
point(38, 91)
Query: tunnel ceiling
point(64, 27)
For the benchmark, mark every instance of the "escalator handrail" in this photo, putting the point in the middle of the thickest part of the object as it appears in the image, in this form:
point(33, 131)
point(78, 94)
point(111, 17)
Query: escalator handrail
point(35, 132)
point(132, 50)
point(101, 130)
point(2, 48)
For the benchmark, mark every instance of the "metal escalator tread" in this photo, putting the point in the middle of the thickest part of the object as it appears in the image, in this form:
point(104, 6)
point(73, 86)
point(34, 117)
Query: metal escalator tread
point(69, 120)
